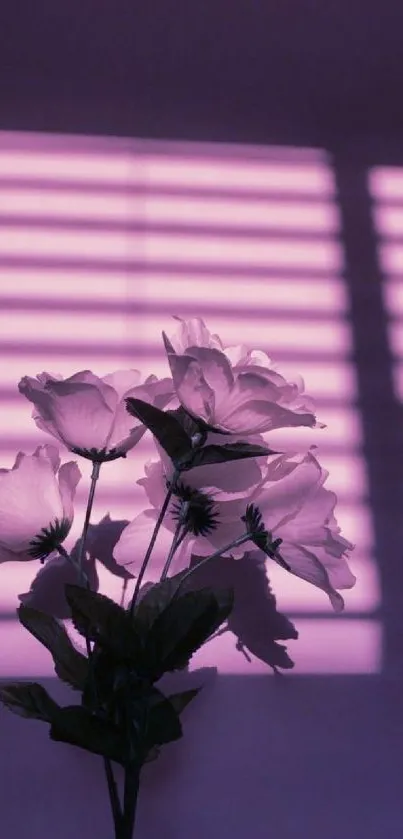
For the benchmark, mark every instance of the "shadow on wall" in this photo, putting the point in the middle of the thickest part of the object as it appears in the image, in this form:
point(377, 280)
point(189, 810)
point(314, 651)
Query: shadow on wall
point(283, 247)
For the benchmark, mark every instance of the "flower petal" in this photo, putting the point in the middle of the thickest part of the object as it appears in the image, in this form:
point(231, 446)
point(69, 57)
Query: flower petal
point(306, 565)
point(280, 501)
point(29, 501)
point(132, 546)
point(69, 476)
point(122, 381)
point(191, 387)
point(193, 333)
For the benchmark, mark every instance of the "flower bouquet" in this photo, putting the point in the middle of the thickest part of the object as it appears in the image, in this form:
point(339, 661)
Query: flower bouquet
point(232, 504)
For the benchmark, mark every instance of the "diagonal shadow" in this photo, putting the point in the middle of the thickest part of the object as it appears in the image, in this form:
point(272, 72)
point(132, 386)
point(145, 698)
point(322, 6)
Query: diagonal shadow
point(381, 414)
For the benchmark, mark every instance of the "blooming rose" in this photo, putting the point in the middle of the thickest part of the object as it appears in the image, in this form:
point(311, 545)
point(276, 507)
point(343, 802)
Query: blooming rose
point(88, 414)
point(230, 486)
point(297, 509)
point(36, 504)
point(243, 396)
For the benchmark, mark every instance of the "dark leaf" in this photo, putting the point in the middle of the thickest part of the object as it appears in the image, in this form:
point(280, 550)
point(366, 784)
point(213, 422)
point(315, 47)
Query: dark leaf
point(30, 700)
point(155, 600)
point(163, 724)
point(100, 619)
point(79, 727)
point(181, 700)
point(228, 451)
point(254, 619)
point(166, 428)
point(47, 589)
point(152, 754)
point(70, 665)
point(196, 429)
point(183, 627)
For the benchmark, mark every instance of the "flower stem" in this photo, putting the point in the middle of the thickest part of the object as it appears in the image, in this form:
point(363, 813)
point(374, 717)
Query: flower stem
point(113, 793)
point(152, 542)
point(131, 791)
point(176, 541)
point(62, 551)
point(114, 797)
point(94, 477)
point(234, 544)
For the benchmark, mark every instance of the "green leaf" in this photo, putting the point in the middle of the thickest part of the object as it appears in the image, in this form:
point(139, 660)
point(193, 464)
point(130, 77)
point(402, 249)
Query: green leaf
point(166, 428)
point(70, 665)
point(228, 451)
point(100, 619)
point(79, 727)
point(30, 700)
point(183, 627)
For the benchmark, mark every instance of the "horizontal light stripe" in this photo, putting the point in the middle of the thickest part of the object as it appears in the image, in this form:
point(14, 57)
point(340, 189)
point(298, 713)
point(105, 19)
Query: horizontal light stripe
point(64, 204)
point(314, 178)
point(242, 214)
point(107, 168)
point(391, 258)
point(223, 249)
point(33, 285)
point(319, 296)
point(389, 220)
point(23, 241)
point(385, 182)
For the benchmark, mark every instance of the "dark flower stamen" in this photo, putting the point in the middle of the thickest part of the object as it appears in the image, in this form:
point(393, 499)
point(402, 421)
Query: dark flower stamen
point(195, 509)
point(49, 538)
point(261, 537)
point(99, 455)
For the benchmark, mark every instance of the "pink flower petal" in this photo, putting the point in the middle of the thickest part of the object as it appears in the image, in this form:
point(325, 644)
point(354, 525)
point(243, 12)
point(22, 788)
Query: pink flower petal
point(193, 333)
point(306, 565)
point(122, 381)
point(69, 476)
point(192, 389)
point(29, 501)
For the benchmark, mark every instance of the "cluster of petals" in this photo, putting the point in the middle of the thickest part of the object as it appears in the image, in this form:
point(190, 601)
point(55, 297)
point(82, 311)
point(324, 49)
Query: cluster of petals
point(88, 413)
point(233, 390)
point(36, 495)
point(295, 508)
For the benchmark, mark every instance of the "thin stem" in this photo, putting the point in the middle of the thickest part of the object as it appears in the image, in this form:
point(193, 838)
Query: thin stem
point(114, 797)
point(94, 477)
point(176, 541)
point(152, 542)
point(124, 589)
point(62, 551)
point(113, 793)
point(239, 541)
point(131, 791)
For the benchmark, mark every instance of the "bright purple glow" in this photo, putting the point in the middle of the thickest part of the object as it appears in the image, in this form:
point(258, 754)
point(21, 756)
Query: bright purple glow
point(100, 242)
